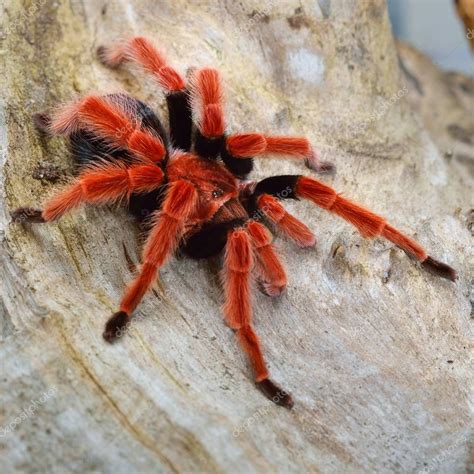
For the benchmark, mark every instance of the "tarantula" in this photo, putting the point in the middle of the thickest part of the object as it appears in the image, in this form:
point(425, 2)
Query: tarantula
point(191, 194)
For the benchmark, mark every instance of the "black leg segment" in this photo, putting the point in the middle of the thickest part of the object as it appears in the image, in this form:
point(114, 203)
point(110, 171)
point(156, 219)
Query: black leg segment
point(240, 167)
point(180, 119)
point(210, 240)
point(282, 187)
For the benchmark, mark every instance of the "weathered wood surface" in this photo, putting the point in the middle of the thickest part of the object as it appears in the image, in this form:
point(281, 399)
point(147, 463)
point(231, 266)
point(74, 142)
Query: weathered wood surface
point(376, 352)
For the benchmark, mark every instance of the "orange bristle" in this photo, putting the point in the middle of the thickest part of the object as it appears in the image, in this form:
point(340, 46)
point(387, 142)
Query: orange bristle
point(246, 145)
point(322, 195)
point(271, 208)
point(259, 233)
point(170, 79)
point(368, 223)
point(239, 252)
point(404, 242)
point(106, 120)
point(291, 146)
point(286, 223)
point(296, 231)
point(146, 146)
point(143, 52)
point(270, 266)
point(137, 289)
point(207, 98)
point(112, 56)
point(238, 263)
point(65, 120)
point(251, 345)
point(164, 237)
point(63, 202)
point(162, 240)
point(212, 124)
point(145, 178)
point(102, 185)
point(208, 85)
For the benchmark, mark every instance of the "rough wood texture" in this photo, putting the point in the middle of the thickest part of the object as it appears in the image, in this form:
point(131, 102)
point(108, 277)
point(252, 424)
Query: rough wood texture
point(376, 352)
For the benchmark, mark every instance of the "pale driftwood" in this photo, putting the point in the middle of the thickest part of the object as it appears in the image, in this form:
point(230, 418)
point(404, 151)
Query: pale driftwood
point(375, 351)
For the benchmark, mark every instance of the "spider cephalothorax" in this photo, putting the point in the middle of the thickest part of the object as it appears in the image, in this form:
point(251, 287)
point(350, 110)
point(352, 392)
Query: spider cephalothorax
point(187, 187)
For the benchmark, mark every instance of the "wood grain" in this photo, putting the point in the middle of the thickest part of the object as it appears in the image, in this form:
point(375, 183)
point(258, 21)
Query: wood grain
point(377, 353)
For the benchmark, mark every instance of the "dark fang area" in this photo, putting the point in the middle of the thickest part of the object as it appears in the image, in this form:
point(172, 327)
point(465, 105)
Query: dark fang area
point(115, 326)
point(274, 393)
point(210, 240)
point(439, 269)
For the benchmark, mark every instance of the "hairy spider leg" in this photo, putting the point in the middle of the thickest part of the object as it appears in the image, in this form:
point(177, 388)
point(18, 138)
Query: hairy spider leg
point(369, 224)
point(247, 145)
point(238, 264)
point(98, 184)
point(86, 148)
point(268, 266)
point(270, 208)
point(237, 151)
point(167, 229)
point(105, 120)
point(207, 103)
point(143, 52)
point(211, 240)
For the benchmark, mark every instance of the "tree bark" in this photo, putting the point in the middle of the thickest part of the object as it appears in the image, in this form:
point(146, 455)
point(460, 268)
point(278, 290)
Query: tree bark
point(376, 352)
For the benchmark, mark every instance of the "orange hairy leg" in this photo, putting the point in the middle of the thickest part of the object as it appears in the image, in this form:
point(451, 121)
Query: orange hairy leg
point(253, 144)
point(247, 145)
point(368, 223)
point(106, 120)
point(144, 53)
point(167, 230)
point(238, 264)
point(267, 263)
point(207, 101)
point(99, 184)
point(285, 222)
point(141, 51)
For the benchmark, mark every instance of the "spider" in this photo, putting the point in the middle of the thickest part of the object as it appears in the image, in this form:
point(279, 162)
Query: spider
point(188, 188)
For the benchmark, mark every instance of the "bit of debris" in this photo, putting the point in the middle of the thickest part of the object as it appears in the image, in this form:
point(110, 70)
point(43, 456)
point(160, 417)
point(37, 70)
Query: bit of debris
point(298, 20)
point(470, 222)
point(48, 172)
point(460, 134)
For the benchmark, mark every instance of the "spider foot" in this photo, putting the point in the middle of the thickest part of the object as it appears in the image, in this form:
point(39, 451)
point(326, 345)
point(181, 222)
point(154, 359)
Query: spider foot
point(116, 326)
point(42, 121)
point(27, 214)
point(271, 290)
point(326, 167)
point(274, 393)
point(321, 167)
point(108, 57)
point(102, 55)
point(439, 268)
